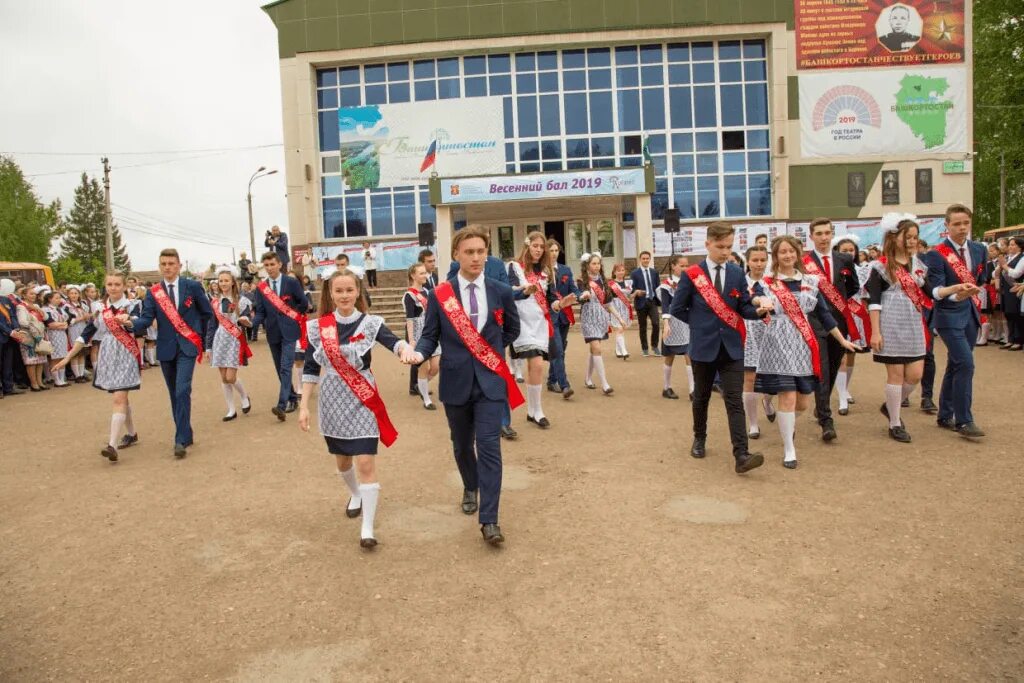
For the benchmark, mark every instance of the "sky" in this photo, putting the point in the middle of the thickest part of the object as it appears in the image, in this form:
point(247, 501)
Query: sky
point(126, 79)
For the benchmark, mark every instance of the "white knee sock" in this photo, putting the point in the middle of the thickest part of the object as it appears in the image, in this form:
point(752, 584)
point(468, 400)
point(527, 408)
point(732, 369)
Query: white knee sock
point(369, 493)
point(689, 379)
point(787, 427)
point(424, 386)
point(534, 392)
point(750, 408)
point(129, 423)
point(893, 398)
point(229, 398)
point(75, 369)
point(841, 390)
point(983, 336)
point(620, 344)
point(242, 394)
point(116, 425)
point(517, 367)
point(349, 477)
point(599, 367)
point(849, 380)
point(666, 371)
point(590, 368)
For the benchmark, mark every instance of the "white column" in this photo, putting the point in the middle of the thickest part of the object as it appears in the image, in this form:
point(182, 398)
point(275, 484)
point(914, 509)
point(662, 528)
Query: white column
point(444, 241)
point(644, 224)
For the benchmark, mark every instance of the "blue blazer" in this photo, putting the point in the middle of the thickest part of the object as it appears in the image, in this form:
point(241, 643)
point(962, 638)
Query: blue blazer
point(565, 284)
point(948, 313)
point(707, 332)
point(7, 327)
point(196, 314)
point(637, 276)
point(280, 328)
point(458, 366)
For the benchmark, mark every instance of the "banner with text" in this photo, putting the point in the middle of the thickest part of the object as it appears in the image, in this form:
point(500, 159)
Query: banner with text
point(388, 145)
point(886, 112)
point(390, 256)
point(543, 186)
point(872, 33)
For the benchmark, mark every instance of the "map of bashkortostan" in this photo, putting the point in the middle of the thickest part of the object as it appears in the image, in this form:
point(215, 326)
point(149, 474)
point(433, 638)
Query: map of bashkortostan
point(920, 105)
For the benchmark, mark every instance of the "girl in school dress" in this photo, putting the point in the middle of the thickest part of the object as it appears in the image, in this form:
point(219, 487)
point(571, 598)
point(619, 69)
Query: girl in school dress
point(622, 308)
point(229, 352)
point(786, 363)
point(675, 334)
point(30, 321)
point(415, 303)
point(96, 306)
point(997, 329)
point(533, 275)
point(848, 245)
point(118, 370)
point(896, 303)
point(595, 314)
point(78, 317)
point(757, 263)
point(55, 317)
point(350, 428)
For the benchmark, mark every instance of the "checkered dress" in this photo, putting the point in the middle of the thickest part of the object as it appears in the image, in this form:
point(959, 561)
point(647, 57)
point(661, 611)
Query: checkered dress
point(418, 321)
point(116, 367)
point(783, 350)
point(755, 333)
point(594, 318)
point(59, 338)
point(225, 347)
point(901, 328)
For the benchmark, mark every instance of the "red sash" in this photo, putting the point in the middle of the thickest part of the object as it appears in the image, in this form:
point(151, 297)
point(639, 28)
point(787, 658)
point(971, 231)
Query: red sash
point(569, 314)
point(715, 301)
point(244, 352)
point(285, 310)
point(539, 296)
point(960, 268)
point(179, 325)
point(475, 343)
point(598, 291)
point(792, 308)
point(621, 296)
point(847, 308)
point(364, 391)
point(915, 294)
point(420, 297)
point(123, 336)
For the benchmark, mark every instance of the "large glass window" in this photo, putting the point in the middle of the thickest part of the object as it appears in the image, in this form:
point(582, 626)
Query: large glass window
point(697, 111)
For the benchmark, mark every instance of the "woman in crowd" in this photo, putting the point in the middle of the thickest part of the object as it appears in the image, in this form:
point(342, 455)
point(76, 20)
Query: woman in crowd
point(78, 317)
point(789, 362)
point(595, 316)
point(352, 415)
point(848, 245)
point(415, 303)
point(533, 276)
point(757, 263)
point(55, 317)
point(675, 334)
point(120, 362)
point(1011, 271)
point(30, 320)
point(896, 304)
point(91, 293)
point(622, 308)
point(226, 340)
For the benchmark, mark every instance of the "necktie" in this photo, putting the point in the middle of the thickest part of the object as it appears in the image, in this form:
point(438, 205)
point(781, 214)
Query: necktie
point(474, 307)
point(718, 278)
point(963, 255)
point(273, 285)
point(170, 293)
point(828, 267)
point(647, 282)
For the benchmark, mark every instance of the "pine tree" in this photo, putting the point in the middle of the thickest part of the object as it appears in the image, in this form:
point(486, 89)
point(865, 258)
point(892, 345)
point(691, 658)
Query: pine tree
point(26, 224)
point(85, 237)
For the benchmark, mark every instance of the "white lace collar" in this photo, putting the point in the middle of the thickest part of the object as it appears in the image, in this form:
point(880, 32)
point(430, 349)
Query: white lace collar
point(345, 320)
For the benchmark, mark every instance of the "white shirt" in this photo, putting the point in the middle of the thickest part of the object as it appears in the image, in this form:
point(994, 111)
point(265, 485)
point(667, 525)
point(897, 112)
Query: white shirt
point(831, 263)
point(967, 262)
point(711, 265)
point(481, 298)
point(177, 289)
point(275, 284)
point(1012, 274)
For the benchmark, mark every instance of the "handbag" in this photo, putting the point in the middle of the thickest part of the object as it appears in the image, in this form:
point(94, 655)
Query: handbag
point(43, 347)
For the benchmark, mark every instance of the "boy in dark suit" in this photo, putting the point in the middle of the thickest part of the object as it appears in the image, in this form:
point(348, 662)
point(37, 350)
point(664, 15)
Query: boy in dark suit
point(474, 318)
point(181, 310)
point(712, 297)
point(645, 281)
point(281, 306)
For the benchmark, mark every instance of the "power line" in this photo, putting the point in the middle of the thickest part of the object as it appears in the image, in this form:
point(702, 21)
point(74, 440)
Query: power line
point(156, 231)
point(168, 151)
point(153, 218)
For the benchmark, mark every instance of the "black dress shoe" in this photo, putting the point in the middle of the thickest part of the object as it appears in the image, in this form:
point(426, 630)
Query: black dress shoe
point(697, 450)
point(128, 440)
point(368, 543)
point(492, 534)
point(247, 407)
point(970, 430)
point(429, 406)
point(828, 431)
point(543, 423)
point(747, 462)
point(553, 388)
point(229, 418)
point(509, 433)
point(414, 392)
point(109, 452)
point(608, 391)
point(291, 407)
point(754, 435)
point(352, 513)
point(928, 406)
point(469, 504)
point(790, 464)
point(884, 410)
point(179, 451)
point(946, 423)
point(844, 411)
point(905, 403)
point(567, 394)
point(279, 413)
point(669, 393)
point(899, 434)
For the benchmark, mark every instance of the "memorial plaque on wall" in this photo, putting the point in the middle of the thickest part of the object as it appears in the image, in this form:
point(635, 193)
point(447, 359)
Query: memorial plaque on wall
point(856, 193)
point(890, 187)
point(923, 185)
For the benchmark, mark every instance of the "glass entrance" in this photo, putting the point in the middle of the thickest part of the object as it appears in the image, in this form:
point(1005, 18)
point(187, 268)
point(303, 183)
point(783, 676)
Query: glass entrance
point(593, 235)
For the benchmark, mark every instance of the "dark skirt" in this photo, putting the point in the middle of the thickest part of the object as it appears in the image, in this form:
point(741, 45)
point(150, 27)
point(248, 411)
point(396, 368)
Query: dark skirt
point(530, 353)
point(351, 446)
point(114, 391)
point(896, 360)
point(776, 384)
point(681, 350)
point(594, 339)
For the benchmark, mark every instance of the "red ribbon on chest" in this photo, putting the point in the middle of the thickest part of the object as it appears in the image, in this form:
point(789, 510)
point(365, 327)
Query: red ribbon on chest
point(475, 343)
point(122, 335)
point(177, 322)
point(419, 296)
point(715, 302)
point(367, 393)
point(287, 311)
point(960, 268)
point(793, 311)
point(539, 296)
point(621, 296)
point(848, 308)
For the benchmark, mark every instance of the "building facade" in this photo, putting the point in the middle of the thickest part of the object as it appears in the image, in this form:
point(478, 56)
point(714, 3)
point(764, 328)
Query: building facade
point(704, 96)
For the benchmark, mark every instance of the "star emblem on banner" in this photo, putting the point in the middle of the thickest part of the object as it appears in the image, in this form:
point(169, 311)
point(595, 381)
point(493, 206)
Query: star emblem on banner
point(944, 31)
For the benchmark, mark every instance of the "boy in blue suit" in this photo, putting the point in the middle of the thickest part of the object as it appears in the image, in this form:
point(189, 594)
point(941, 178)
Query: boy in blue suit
point(474, 395)
point(716, 343)
point(645, 282)
point(956, 317)
point(282, 331)
point(176, 347)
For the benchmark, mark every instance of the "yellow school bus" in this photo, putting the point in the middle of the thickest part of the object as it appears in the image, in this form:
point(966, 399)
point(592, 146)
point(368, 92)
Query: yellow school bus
point(27, 272)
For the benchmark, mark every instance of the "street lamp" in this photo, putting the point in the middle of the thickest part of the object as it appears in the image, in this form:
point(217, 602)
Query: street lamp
point(261, 172)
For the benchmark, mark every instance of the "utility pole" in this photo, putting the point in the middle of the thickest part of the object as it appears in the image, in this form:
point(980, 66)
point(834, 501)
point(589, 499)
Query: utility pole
point(252, 234)
point(1002, 189)
point(107, 215)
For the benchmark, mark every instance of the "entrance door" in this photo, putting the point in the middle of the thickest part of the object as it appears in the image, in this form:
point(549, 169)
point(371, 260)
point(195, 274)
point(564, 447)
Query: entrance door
point(503, 242)
point(593, 235)
point(555, 230)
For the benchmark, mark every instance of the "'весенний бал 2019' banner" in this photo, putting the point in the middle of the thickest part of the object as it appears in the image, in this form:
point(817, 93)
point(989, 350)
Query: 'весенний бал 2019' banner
point(883, 112)
point(595, 183)
point(389, 145)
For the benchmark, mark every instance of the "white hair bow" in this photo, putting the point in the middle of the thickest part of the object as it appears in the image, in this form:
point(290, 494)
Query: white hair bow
point(849, 236)
point(891, 221)
point(226, 268)
point(586, 257)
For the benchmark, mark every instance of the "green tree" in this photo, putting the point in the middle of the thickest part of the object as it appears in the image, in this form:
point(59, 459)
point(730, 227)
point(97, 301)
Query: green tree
point(85, 236)
point(999, 110)
point(28, 226)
